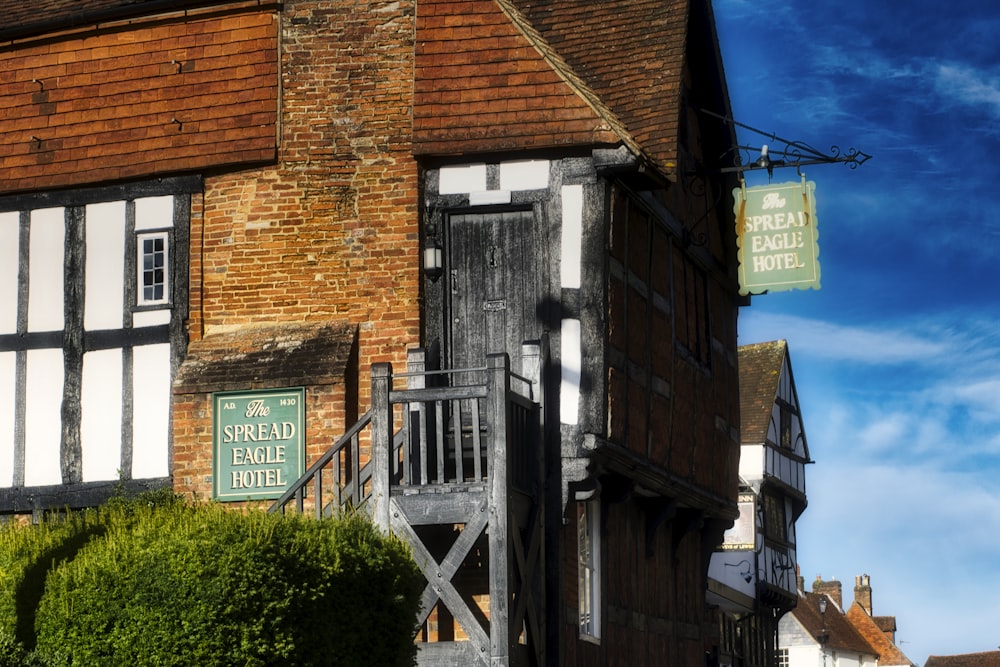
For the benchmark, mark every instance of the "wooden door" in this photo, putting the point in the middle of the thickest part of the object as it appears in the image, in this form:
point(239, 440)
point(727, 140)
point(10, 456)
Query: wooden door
point(496, 286)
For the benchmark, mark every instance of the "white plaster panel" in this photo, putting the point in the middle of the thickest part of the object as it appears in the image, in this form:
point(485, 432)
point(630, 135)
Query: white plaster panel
point(462, 179)
point(43, 420)
point(572, 233)
point(45, 269)
point(105, 272)
point(487, 197)
point(101, 419)
point(154, 212)
point(9, 230)
point(7, 370)
point(524, 175)
point(572, 369)
point(151, 417)
point(150, 318)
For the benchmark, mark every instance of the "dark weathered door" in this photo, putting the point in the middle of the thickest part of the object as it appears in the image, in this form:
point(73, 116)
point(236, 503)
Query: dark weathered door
point(495, 286)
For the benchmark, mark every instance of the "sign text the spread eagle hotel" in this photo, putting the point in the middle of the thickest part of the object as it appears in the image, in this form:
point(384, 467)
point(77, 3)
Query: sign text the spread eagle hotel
point(258, 442)
point(777, 237)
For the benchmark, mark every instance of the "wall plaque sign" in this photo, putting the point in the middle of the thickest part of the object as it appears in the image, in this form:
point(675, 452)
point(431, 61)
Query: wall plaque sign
point(777, 237)
point(258, 446)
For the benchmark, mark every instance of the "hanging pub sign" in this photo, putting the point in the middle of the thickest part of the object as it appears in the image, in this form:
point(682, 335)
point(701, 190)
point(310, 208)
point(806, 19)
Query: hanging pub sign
point(257, 442)
point(777, 237)
point(742, 536)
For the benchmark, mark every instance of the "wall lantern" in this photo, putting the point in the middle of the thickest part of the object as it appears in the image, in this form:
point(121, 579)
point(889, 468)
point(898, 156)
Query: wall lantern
point(432, 258)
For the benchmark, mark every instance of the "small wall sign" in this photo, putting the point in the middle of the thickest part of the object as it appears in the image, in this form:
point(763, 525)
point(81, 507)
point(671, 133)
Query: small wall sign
point(258, 444)
point(777, 237)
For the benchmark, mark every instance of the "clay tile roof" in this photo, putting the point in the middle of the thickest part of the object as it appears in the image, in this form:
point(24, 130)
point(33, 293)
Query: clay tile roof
point(22, 17)
point(842, 635)
point(874, 633)
point(631, 53)
point(499, 75)
point(267, 356)
point(987, 659)
point(760, 368)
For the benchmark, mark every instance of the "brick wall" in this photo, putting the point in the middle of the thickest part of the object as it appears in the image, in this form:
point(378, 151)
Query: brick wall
point(331, 231)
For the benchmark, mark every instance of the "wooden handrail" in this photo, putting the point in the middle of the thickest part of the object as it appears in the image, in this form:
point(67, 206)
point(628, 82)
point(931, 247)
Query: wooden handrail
point(435, 435)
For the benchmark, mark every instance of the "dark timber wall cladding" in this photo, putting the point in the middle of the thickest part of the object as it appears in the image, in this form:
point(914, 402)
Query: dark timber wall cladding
point(176, 92)
point(673, 392)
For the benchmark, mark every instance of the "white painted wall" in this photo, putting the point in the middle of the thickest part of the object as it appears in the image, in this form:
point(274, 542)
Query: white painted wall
point(570, 254)
point(101, 422)
point(43, 423)
point(105, 271)
point(7, 367)
point(752, 462)
point(9, 230)
point(45, 269)
point(151, 420)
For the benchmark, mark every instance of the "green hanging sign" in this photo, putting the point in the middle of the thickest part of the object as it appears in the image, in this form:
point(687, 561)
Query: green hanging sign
point(258, 442)
point(777, 237)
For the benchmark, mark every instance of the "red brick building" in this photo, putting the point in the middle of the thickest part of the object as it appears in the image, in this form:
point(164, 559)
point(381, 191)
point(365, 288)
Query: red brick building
point(203, 196)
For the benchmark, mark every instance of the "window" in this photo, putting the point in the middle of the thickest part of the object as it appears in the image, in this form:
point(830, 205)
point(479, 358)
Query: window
point(152, 280)
point(774, 518)
point(588, 522)
point(783, 658)
point(691, 309)
point(786, 428)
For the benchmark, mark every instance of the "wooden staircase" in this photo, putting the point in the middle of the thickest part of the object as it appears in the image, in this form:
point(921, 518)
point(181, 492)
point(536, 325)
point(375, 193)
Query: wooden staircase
point(453, 463)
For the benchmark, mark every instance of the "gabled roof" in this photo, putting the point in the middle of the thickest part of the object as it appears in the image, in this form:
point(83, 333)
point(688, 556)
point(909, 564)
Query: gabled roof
point(488, 72)
point(987, 659)
point(874, 632)
point(841, 634)
point(760, 366)
point(631, 53)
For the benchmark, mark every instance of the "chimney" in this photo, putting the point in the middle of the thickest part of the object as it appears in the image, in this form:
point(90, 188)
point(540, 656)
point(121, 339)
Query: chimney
point(863, 592)
point(831, 589)
point(800, 582)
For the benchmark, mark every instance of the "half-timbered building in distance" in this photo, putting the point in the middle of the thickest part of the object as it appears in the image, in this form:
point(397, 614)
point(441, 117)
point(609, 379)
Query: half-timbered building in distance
point(468, 265)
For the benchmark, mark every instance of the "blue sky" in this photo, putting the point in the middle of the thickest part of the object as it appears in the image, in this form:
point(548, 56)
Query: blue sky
point(897, 357)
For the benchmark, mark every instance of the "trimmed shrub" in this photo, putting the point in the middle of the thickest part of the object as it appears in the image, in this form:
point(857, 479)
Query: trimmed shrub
point(27, 554)
point(203, 585)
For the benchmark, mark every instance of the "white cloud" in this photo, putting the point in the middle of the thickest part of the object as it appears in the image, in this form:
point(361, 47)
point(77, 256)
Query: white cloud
point(968, 85)
point(830, 340)
point(926, 537)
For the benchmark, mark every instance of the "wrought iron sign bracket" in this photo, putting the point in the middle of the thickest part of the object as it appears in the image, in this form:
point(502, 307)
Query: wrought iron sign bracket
point(789, 153)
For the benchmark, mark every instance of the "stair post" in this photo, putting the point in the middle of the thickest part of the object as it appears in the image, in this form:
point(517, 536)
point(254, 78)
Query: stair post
point(381, 444)
point(498, 387)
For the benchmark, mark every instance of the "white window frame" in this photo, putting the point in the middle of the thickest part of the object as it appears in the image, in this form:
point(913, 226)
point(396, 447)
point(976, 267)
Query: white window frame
point(140, 238)
point(589, 567)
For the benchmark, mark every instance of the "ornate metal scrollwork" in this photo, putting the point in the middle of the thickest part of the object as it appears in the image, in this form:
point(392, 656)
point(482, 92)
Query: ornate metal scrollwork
point(791, 153)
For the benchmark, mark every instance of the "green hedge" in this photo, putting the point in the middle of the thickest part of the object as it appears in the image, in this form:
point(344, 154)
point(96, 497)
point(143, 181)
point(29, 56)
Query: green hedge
point(178, 584)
